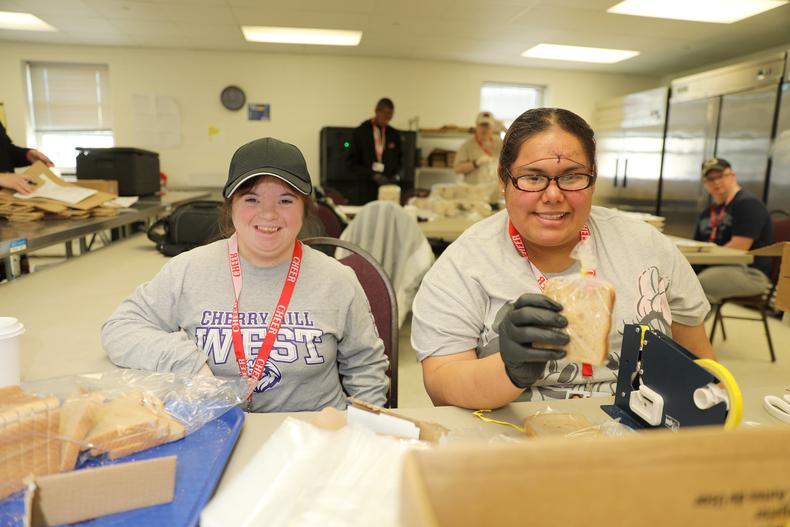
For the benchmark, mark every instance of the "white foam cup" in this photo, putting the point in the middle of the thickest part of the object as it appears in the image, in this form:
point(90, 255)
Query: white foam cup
point(11, 331)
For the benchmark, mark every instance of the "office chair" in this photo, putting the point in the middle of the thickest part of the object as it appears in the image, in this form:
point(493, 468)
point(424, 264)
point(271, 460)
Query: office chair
point(760, 303)
point(381, 297)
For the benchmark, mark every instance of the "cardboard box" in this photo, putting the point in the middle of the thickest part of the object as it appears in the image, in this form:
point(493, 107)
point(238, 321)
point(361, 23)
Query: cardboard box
point(89, 493)
point(781, 249)
point(702, 476)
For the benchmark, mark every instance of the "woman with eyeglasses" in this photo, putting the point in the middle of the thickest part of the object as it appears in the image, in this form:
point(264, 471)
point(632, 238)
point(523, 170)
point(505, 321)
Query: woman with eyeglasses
point(479, 310)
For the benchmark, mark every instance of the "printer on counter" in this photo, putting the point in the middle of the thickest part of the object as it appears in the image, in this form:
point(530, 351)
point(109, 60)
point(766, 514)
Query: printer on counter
point(136, 170)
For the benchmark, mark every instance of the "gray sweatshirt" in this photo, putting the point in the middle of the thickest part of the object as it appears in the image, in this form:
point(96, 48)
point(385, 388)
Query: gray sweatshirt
point(181, 319)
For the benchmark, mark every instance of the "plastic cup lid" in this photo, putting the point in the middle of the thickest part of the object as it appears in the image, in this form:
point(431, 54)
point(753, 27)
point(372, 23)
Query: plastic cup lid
point(10, 327)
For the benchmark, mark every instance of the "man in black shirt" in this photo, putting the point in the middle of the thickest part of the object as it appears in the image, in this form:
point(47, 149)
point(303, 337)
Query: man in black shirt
point(375, 154)
point(736, 218)
point(12, 156)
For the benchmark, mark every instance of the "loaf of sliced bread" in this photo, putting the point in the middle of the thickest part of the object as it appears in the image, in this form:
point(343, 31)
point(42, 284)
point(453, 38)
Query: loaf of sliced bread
point(587, 304)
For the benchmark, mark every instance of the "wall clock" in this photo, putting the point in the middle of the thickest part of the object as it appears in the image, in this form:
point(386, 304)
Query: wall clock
point(233, 98)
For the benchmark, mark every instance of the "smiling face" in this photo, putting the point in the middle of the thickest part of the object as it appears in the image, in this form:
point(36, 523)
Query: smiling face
point(549, 219)
point(267, 218)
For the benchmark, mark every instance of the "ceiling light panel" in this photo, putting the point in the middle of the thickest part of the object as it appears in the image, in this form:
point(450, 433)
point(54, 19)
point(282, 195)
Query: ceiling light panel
point(716, 11)
point(578, 53)
point(23, 22)
point(298, 35)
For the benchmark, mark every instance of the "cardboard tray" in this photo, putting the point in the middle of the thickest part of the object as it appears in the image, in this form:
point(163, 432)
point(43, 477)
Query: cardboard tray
point(202, 457)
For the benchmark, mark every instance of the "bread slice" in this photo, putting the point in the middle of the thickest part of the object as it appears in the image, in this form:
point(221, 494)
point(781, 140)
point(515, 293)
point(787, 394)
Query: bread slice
point(587, 304)
point(558, 424)
point(28, 431)
point(78, 416)
point(132, 423)
point(121, 420)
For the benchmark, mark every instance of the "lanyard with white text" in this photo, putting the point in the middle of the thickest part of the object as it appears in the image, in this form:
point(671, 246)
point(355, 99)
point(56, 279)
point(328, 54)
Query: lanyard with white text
point(379, 138)
point(518, 243)
point(277, 316)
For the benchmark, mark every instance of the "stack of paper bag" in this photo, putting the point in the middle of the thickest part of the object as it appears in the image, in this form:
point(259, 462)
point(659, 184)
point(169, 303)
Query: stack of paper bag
point(21, 209)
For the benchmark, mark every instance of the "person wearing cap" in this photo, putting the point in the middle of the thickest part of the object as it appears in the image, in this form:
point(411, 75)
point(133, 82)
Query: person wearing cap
point(293, 321)
point(477, 158)
point(738, 219)
point(12, 156)
point(375, 154)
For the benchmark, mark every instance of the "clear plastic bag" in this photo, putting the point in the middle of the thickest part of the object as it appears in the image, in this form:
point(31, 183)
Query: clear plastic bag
point(46, 426)
point(549, 422)
point(306, 476)
point(587, 303)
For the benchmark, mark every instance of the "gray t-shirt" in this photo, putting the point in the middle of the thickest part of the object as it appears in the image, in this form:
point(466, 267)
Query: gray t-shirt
point(181, 319)
point(460, 298)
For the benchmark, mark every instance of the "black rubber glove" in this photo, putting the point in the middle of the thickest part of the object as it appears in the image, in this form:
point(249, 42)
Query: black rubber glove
point(531, 319)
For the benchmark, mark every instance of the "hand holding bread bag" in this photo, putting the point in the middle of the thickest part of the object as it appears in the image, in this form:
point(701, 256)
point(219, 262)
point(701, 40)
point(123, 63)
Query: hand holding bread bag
point(587, 303)
point(571, 320)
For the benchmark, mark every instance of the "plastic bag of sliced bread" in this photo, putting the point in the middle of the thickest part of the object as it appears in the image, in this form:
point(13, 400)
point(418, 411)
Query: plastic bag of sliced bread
point(587, 303)
point(46, 426)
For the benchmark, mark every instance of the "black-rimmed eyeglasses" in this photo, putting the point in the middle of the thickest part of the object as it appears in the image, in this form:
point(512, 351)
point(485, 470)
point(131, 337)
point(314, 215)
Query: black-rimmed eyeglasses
point(537, 183)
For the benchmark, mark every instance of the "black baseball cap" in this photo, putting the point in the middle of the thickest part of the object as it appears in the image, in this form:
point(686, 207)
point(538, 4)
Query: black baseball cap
point(715, 163)
point(268, 157)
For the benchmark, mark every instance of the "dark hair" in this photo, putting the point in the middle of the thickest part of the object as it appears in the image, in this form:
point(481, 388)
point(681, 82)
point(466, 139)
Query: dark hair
point(538, 120)
point(226, 228)
point(385, 104)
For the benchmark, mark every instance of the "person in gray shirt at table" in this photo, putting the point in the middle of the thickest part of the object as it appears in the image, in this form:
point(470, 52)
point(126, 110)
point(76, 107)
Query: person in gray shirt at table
point(210, 310)
point(480, 320)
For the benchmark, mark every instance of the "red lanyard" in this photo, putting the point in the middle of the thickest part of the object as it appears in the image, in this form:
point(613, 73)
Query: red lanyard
point(277, 316)
point(518, 243)
point(483, 148)
point(715, 221)
point(379, 138)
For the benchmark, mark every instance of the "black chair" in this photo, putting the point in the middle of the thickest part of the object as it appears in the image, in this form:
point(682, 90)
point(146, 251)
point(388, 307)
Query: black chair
point(760, 303)
point(381, 297)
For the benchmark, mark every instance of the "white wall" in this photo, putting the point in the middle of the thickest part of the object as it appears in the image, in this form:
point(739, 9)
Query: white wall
point(306, 93)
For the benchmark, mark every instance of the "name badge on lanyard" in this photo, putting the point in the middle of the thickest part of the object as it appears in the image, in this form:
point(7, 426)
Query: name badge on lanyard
point(715, 221)
point(276, 320)
point(518, 243)
point(379, 140)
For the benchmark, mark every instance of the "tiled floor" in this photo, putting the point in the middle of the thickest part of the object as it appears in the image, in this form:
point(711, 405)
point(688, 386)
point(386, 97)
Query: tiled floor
point(744, 353)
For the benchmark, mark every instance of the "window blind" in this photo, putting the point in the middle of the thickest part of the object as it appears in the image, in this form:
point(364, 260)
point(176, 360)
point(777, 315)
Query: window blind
point(69, 97)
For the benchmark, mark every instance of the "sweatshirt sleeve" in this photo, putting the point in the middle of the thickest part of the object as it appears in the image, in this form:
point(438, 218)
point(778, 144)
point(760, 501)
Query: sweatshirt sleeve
point(144, 332)
point(360, 353)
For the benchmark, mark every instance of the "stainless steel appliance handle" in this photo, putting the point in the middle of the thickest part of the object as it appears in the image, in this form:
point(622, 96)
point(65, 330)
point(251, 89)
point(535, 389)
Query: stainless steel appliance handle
point(625, 173)
point(616, 168)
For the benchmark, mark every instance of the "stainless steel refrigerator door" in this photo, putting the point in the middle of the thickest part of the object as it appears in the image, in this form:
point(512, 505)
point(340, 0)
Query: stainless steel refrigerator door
point(690, 139)
point(779, 182)
point(639, 175)
point(609, 166)
point(745, 135)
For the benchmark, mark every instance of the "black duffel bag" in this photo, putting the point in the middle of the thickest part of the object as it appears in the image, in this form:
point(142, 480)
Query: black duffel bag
point(188, 226)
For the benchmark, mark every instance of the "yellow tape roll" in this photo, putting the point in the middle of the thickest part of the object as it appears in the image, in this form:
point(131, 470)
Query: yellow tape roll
point(716, 369)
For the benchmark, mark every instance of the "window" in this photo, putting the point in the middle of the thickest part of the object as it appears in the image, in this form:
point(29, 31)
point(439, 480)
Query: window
point(508, 101)
point(69, 106)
